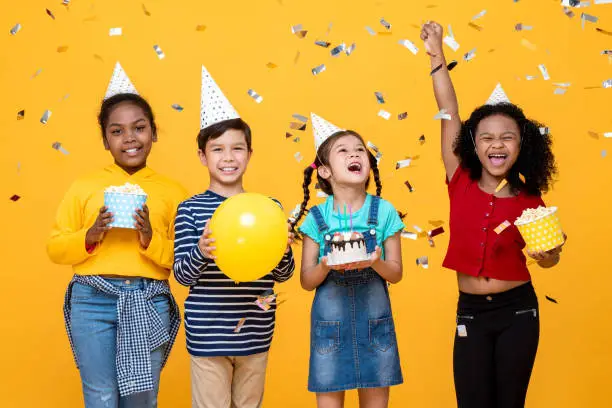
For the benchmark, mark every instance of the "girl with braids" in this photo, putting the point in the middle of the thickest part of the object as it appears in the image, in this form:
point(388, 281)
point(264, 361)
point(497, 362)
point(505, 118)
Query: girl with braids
point(353, 344)
point(497, 314)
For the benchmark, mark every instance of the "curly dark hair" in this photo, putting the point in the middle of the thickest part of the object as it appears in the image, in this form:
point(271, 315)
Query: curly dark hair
point(108, 105)
point(535, 162)
point(322, 159)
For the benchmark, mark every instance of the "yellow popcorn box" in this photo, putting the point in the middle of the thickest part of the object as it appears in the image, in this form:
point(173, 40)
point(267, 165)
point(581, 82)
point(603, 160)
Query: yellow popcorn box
point(543, 233)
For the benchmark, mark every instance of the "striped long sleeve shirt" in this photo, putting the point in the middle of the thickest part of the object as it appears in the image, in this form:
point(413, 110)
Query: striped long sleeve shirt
point(216, 304)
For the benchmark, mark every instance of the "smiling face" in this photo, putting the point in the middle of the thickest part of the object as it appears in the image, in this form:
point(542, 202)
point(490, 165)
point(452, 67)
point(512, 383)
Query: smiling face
point(226, 157)
point(128, 136)
point(349, 164)
point(498, 140)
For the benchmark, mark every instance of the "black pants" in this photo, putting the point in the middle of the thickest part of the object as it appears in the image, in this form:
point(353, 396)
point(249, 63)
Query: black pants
point(495, 347)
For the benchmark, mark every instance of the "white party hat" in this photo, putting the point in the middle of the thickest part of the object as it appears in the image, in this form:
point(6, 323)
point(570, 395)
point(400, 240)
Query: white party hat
point(215, 107)
point(322, 129)
point(119, 83)
point(498, 96)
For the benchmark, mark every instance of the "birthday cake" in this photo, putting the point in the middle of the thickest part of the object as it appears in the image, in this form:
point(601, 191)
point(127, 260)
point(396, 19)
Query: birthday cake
point(347, 247)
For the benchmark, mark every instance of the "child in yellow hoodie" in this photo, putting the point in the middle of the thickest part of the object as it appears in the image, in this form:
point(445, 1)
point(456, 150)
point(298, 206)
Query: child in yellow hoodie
point(120, 315)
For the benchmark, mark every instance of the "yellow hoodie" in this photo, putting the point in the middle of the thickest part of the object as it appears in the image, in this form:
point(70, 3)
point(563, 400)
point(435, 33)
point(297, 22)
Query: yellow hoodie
point(120, 252)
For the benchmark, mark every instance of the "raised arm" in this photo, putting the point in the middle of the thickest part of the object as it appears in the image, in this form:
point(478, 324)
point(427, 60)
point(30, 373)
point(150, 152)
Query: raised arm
point(432, 34)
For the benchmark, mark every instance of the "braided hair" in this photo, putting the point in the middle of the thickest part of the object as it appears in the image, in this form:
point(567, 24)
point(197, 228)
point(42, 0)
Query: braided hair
point(322, 159)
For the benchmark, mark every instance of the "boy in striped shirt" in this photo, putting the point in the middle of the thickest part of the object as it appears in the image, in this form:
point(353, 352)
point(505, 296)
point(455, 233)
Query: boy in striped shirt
point(228, 363)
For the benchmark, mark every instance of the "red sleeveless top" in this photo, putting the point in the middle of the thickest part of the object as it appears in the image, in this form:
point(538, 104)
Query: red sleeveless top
point(474, 247)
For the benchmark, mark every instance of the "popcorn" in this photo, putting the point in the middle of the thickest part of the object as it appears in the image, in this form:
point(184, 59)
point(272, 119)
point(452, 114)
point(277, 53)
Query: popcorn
point(540, 228)
point(122, 202)
point(532, 214)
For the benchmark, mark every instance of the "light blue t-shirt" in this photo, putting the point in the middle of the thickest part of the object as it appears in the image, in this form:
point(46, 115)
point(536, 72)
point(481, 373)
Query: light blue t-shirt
point(389, 222)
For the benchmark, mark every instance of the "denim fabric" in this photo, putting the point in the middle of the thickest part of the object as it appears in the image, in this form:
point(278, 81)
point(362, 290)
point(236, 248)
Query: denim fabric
point(94, 332)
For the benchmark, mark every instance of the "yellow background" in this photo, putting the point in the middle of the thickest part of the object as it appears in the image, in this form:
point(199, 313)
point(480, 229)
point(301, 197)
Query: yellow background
point(574, 359)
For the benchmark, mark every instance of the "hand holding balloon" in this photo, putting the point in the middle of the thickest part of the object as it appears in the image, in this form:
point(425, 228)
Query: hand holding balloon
point(205, 242)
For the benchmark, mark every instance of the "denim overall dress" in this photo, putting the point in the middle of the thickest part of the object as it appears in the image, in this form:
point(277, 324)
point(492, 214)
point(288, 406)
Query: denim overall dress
point(352, 334)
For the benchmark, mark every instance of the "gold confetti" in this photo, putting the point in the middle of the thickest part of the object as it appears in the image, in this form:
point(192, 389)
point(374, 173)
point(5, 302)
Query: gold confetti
point(239, 325)
point(501, 185)
point(522, 178)
point(498, 230)
point(20, 114)
point(296, 58)
point(525, 43)
point(271, 65)
point(423, 261)
point(50, 13)
point(475, 26)
point(601, 30)
point(144, 8)
point(200, 27)
point(62, 48)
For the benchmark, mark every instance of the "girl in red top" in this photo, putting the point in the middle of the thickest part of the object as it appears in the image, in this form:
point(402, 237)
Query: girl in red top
point(497, 314)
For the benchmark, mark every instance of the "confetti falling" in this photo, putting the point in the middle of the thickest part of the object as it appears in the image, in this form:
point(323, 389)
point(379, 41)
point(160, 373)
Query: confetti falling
point(144, 9)
point(442, 115)
point(21, 114)
point(15, 197)
point(15, 29)
point(239, 325)
point(58, 146)
point(607, 83)
point(200, 28)
point(37, 73)
point(423, 261)
point(451, 43)
point(384, 114)
point(409, 235)
point(435, 232)
point(324, 44)
point(379, 97)
point(338, 50)
point(299, 31)
point(271, 65)
point(177, 107)
point(479, 15)
point(297, 126)
point(256, 97)
point(45, 117)
point(50, 13)
point(159, 52)
point(318, 69)
point(475, 26)
point(402, 116)
point(410, 45)
point(348, 51)
point(470, 55)
point(422, 139)
point(501, 227)
point(402, 163)
point(501, 185)
point(409, 186)
point(385, 24)
point(521, 27)
point(298, 156)
point(525, 43)
point(115, 32)
point(551, 299)
point(369, 30)
point(544, 72)
point(62, 48)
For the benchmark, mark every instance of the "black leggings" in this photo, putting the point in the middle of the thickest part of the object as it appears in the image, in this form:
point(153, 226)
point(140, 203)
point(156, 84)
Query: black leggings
point(495, 347)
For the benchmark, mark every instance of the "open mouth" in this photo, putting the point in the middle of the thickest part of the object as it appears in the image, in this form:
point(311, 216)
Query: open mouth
point(354, 167)
point(498, 159)
point(228, 170)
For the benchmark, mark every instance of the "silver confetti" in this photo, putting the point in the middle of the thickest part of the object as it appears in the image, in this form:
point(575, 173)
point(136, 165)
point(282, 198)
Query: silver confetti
point(37, 73)
point(521, 27)
point(442, 115)
point(544, 72)
point(450, 31)
point(604, 153)
point(603, 1)
point(298, 156)
point(409, 235)
point(584, 17)
point(470, 55)
point(45, 117)
point(15, 29)
point(410, 45)
point(530, 77)
point(479, 15)
point(451, 42)
point(338, 50)
point(258, 98)
point(607, 83)
point(607, 134)
point(373, 147)
point(370, 30)
point(177, 107)
point(317, 70)
point(402, 163)
point(384, 114)
point(324, 44)
point(560, 91)
point(379, 97)
point(350, 49)
point(385, 23)
point(544, 131)
point(113, 32)
point(417, 228)
point(562, 84)
point(297, 28)
point(58, 146)
point(160, 53)
point(300, 117)
point(423, 261)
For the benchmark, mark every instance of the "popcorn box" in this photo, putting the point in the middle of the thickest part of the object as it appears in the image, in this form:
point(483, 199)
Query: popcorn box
point(123, 206)
point(543, 233)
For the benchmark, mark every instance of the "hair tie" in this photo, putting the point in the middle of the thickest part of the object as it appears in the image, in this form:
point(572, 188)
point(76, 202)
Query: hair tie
point(314, 165)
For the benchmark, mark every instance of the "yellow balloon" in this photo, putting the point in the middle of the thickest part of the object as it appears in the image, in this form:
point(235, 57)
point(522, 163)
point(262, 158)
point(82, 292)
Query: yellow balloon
point(250, 232)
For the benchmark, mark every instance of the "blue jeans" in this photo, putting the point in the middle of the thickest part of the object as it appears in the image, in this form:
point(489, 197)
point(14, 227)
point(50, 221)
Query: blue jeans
point(94, 328)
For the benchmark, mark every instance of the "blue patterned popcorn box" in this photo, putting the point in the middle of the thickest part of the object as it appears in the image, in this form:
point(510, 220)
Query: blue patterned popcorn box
point(123, 206)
